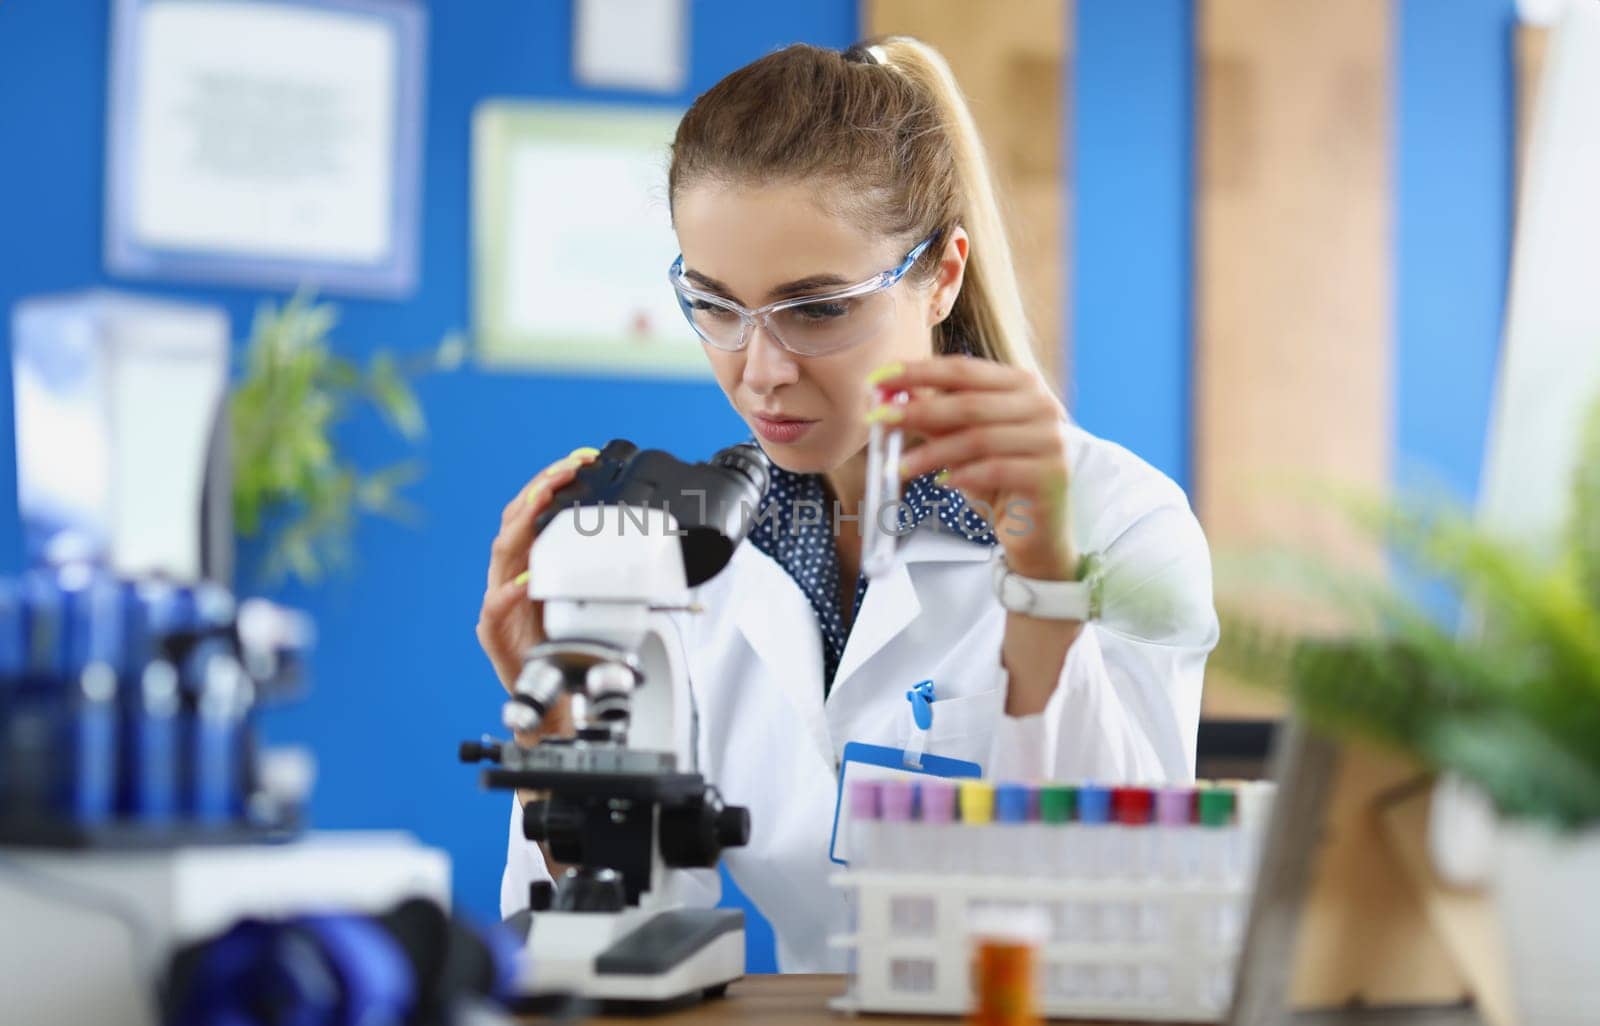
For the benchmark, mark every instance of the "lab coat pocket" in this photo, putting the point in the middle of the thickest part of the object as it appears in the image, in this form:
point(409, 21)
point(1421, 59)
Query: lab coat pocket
point(962, 727)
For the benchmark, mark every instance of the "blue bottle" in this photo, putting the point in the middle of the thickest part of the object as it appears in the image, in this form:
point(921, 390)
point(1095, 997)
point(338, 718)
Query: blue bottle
point(13, 658)
point(39, 705)
point(219, 695)
point(148, 789)
point(92, 627)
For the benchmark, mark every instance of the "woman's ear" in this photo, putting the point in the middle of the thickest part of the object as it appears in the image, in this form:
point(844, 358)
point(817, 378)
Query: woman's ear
point(948, 277)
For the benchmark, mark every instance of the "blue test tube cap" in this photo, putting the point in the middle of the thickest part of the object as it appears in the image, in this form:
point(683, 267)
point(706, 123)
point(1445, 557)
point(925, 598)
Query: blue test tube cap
point(1094, 804)
point(1011, 803)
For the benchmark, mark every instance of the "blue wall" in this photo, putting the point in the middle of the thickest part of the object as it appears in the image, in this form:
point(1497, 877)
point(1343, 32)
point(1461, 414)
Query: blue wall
point(1131, 146)
point(1454, 156)
point(399, 677)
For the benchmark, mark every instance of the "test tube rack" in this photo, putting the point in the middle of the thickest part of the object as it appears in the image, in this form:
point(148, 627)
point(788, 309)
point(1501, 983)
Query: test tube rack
point(1137, 920)
point(1141, 950)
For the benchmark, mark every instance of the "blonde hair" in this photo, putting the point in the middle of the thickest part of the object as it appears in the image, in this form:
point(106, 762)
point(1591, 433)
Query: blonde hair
point(887, 121)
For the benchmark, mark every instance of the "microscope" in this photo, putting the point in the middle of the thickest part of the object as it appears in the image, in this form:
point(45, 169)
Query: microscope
point(624, 805)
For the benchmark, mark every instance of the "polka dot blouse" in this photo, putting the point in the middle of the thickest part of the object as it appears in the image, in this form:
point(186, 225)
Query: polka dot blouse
point(795, 528)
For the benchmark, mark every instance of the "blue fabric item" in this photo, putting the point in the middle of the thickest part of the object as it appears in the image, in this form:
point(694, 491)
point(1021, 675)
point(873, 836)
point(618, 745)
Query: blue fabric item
point(795, 526)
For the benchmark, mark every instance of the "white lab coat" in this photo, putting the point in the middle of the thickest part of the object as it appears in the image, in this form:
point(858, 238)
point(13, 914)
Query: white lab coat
point(1126, 707)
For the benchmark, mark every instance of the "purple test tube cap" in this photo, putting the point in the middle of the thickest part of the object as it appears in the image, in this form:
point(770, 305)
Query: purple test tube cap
point(938, 801)
point(865, 799)
point(1174, 806)
point(895, 797)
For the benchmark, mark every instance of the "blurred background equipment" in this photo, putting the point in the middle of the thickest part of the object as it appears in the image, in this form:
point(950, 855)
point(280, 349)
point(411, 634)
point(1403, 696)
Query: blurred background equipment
point(137, 805)
point(411, 964)
point(121, 437)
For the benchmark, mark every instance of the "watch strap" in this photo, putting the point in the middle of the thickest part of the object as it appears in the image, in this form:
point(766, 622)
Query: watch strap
point(1049, 599)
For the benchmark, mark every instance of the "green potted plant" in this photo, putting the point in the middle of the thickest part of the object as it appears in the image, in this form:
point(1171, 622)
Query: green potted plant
point(1509, 703)
point(296, 496)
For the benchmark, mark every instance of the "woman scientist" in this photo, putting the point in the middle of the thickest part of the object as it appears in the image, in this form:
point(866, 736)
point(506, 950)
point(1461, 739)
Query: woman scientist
point(839, 231)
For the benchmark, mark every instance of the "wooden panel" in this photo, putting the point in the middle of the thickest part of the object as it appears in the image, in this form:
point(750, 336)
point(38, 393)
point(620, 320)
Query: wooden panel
point(1532, 43)
point(1337, 920)
point(1012, 69)
point(1292, 361)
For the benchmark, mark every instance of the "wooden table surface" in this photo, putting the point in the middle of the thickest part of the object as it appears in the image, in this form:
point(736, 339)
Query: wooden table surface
point(780, 1000)
point(802, 1000)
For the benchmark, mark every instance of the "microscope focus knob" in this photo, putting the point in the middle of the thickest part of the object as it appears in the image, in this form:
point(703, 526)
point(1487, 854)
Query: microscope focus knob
point(733, 826)
point(479, 751)
point(534, 825)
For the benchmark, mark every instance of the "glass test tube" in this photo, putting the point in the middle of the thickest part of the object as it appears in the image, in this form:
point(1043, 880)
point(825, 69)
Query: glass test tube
point(1058, 835)
point(1131, 806)
point(1094, 818)
point(864, 798)
point(1012, 842)
point(894, 811)
point(884, 446)
point(936, 801)
point(977, 815)
point(1174, 808)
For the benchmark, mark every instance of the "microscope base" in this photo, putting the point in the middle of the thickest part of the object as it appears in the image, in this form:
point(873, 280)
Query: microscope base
point(633, 956)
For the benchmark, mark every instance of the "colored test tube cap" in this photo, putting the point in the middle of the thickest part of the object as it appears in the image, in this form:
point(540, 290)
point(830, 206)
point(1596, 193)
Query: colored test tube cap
point(1057, 803)
point(1132, 805)
point(1011, 803)
point(1216, 806)
point(937, 801)
point(977, 801)
point(894, 800)
point(1174, 806)
point(1094, 804)
point(865, 797)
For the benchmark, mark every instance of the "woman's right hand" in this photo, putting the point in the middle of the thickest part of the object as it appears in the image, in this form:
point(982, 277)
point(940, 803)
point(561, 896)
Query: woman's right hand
point(508, 624)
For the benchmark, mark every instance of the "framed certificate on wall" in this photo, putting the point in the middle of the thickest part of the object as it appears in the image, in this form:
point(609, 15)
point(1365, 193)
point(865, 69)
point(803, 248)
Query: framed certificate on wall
point(571, 241)
point(266, 142)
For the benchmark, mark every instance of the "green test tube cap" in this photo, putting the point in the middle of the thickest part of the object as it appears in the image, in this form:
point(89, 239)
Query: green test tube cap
point(1056, 803)
point(1216, 806)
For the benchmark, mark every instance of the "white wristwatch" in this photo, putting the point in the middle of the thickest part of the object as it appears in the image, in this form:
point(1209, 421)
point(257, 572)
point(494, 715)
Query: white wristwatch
point(1049, 600)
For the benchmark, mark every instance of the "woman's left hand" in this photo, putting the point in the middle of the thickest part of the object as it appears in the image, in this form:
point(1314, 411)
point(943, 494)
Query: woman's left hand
point(1002, 436)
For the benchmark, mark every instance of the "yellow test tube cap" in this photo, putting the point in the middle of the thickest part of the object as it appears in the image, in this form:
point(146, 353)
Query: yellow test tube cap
point(977, 801)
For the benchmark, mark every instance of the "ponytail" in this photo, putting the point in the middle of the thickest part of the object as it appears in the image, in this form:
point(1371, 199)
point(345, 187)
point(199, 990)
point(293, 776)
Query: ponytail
point(887, 121)
point(988, 317)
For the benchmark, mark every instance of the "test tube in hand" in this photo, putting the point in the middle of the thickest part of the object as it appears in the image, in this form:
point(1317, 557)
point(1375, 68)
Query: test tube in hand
point(885, 443)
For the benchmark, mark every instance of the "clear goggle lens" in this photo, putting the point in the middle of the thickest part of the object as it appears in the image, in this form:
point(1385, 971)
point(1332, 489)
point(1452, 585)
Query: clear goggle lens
point(809, 329)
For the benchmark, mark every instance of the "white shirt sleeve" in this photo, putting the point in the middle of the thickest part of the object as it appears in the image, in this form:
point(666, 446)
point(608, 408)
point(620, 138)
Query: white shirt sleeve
point(1127, 704)
point(524, 865)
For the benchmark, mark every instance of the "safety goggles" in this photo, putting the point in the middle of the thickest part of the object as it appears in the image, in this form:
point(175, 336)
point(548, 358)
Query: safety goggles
point(813, 325)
